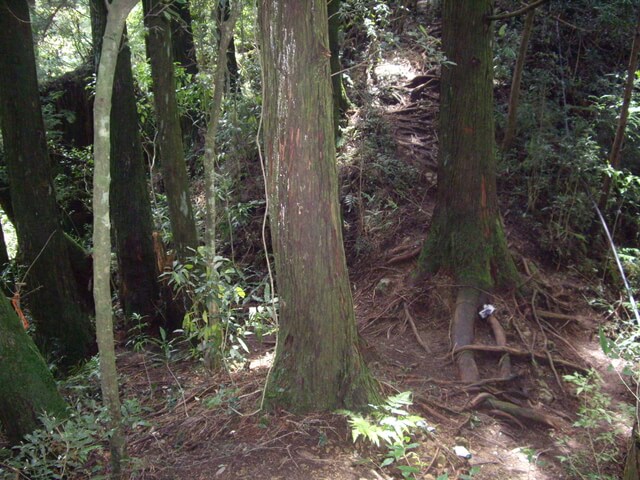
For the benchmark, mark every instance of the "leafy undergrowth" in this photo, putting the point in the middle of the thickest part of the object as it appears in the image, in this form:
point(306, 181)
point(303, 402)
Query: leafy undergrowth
point(185, 422)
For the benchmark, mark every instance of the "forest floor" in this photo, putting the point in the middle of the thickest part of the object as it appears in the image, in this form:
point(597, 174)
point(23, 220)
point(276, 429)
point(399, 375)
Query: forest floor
point(208, 426)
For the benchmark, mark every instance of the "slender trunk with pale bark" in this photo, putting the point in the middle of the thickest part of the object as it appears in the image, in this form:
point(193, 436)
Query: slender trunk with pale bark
point(118, 12)
point(129, 192)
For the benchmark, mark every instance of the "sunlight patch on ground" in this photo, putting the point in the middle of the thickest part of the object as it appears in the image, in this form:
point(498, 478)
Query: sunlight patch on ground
point(522, 462)
point(395, 68)
point(263, 361)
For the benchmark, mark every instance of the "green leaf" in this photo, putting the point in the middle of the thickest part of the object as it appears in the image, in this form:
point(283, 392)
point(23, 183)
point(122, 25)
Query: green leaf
point(387, 461)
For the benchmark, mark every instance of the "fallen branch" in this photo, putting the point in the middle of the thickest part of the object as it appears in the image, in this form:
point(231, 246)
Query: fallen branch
point(517, 353)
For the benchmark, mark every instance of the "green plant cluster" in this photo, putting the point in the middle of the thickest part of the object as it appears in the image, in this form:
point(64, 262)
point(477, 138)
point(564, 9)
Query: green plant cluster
point(391, 426)
point(570, 102)
point(222, 315)
point(73, 447)
point(595, 425)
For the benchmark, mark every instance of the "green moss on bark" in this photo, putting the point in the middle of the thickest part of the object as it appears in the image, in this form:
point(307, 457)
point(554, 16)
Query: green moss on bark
point(27, 388)
point(466, 236)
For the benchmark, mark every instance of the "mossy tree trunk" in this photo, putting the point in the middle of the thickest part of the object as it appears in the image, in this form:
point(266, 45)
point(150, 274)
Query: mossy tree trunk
point(317, 364)
point(174, 170)
point(102, 146)
point(129, 193)
point(62, 324)
point(466, 237)
point(27, 388)
point(340, 100)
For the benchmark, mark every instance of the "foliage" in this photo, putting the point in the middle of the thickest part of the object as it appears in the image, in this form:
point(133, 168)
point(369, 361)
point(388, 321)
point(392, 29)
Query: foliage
point(218, 323)
point(595, 422)
point(376, 182)
point(391, 426)
point(62, 35)
point(75, 447)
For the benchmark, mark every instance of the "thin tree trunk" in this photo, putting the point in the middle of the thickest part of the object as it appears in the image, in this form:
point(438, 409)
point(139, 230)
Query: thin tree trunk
point(226, 32)
point(317, 365)
point(63, 324)
point(224, 12)
point(174, 170)
point(614, 155)
point(514, 95)
point(27, 388)
point(129, 193)
point(118, 12)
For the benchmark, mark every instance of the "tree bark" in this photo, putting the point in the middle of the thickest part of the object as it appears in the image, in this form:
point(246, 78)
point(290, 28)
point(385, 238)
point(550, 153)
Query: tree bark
point(226, 34)
point(317, 365)
point(466, 236)
point(118, 12)
point(27, 388)
point(174, 170)
point(233, 73)
point(129, 194)
point(184, 49)
point(632, 464)
point(62, 324)
point(340, 100)
point(514, 95)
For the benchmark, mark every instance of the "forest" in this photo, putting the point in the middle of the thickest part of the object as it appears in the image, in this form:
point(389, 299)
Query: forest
point(319, 239)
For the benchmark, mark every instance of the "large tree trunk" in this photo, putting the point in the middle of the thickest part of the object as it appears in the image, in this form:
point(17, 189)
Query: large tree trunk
point(317, 365)
point(63, 326)
point(466, 236)
point(27, 388)
point(184, 50)
point(174, 170)
point(129, 193)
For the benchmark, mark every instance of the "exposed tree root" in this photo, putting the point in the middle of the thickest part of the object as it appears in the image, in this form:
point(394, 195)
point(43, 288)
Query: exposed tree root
point(501, 340)
point(462, 332)
point(514, 411)
point(519, 353)
point(403, 257)
point(422, 343)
